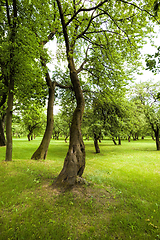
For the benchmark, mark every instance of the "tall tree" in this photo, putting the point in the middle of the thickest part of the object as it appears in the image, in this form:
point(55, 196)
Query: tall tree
point(100, 28)
point(12, 23)
point(20, 55)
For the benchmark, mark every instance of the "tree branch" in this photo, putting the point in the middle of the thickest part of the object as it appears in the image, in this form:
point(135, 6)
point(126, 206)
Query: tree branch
point(84, 62)
point(81, 9)
point(50, 37)
point(62, 86)
point(141, 9)
point(90, 21)
point(63, 26)
point(8, 16)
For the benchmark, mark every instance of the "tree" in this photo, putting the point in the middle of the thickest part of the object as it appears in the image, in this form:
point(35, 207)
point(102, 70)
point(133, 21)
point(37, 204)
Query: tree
point(10, 73)
point(92, 126)
point(18, 57)
point(62, 123)
point(93, 26)
point(147, 96)
point(33, 119)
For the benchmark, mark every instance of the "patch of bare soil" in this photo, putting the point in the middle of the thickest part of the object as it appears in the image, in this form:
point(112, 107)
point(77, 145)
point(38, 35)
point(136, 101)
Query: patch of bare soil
point(101, 195)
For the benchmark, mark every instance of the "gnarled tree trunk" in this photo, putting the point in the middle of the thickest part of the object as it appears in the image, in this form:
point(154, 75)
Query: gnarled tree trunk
point(74, 163)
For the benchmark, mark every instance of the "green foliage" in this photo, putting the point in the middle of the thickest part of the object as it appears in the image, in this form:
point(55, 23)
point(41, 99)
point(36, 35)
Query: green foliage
point(33, 119)
point(146, 97)
point(153, 62)
point(106, 114)
point(156, 7)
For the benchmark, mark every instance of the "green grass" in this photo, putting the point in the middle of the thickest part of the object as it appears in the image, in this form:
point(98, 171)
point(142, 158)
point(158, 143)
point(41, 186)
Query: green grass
point(122, 201)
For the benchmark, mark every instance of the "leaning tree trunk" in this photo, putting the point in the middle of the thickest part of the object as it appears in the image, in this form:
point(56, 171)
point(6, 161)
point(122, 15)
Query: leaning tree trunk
point(96, 143)
point(114, 141)
point(41, 152)
point(74, 163)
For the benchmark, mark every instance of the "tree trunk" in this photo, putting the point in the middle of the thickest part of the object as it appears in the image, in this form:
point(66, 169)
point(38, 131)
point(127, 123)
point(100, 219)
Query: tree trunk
point(66, 139)
point(134, 137)
point(157, 139)
point(2, 137)
point(41, 152)
point(119, 140)
point(153, 138)
point(96, 143)
point(114, 141)
point(28, 136)
point(74, 163)
point(9, 122)
point(11, 82)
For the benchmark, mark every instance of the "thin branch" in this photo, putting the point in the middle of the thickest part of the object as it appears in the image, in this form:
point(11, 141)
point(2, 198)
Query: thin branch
point(93, 43)
point(63, 25)
point(81, 9)
point(104, 31)
point(50, 37)
point(81, 67)
point(90, 21)
point(84, 62)
point(116, 24)
point(141, 9)
point(63, 86)
point(127, 18)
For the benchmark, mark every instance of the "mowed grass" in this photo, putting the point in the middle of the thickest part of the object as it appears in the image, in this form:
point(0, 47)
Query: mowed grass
point(121, 202)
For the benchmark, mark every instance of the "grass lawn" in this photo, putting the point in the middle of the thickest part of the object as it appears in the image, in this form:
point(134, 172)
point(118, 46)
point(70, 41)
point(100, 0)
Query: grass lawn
point(121, 202)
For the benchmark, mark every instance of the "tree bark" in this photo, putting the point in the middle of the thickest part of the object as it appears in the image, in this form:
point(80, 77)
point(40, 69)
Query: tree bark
point(157, 138)
point(10, 83)
point(2, 136)
point(96, 143)
point(42, 150)
point(74, 162)
point(119, 140)
point(9, 122)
